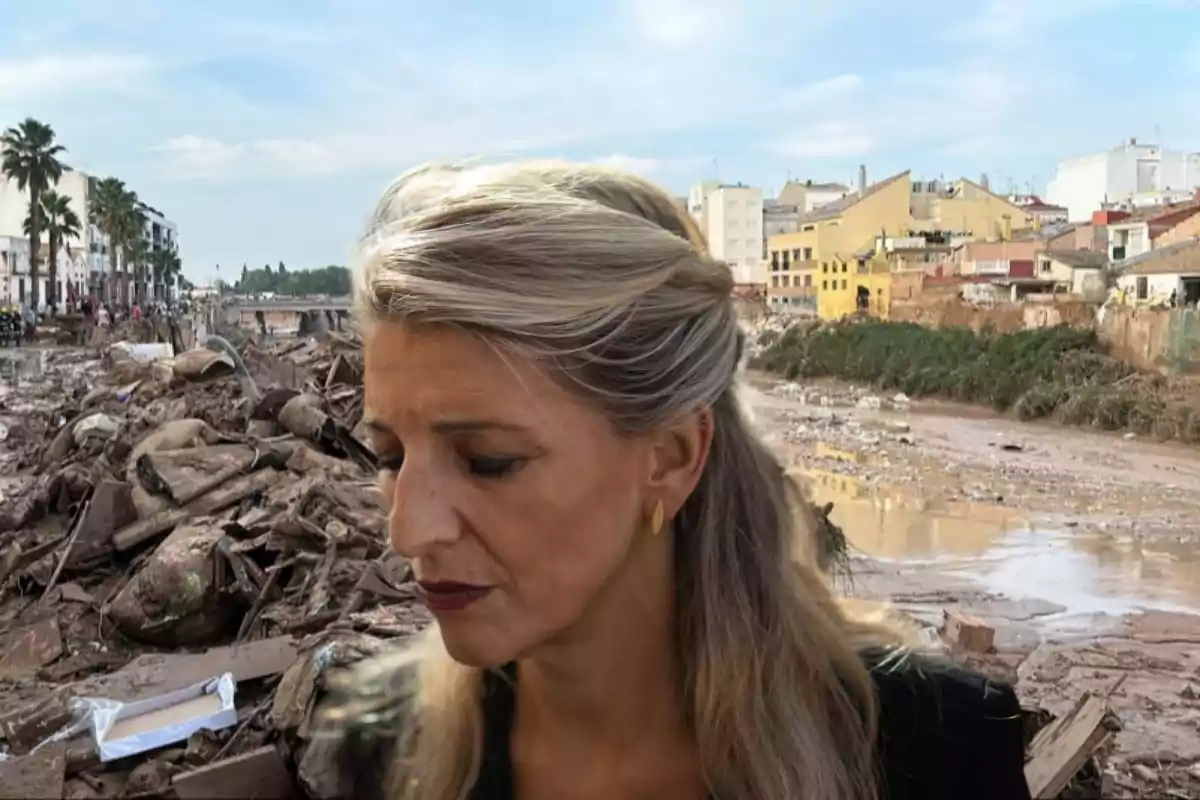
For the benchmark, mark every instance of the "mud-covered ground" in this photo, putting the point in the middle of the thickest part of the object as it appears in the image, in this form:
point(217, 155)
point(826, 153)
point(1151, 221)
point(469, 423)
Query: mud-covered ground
point(1081, 549)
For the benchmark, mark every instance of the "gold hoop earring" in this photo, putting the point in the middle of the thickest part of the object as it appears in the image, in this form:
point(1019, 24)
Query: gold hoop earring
point(656, 519)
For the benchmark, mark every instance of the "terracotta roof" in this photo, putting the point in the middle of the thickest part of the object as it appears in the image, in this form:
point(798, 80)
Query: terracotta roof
point(1181, 257)
point(836, 208)
point(1152, 213)
point(1079, 258)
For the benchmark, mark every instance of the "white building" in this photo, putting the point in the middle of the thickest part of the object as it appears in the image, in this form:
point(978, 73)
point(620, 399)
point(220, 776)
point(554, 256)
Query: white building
point(83, 259)
point(731, 218)
point(1132, 173)
point(161, 234)
point(78, 255)
point(14, 270)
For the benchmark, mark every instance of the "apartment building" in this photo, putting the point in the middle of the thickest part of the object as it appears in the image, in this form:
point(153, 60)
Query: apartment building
point(1131, 173)
point(838, 243)
point(731, 219)
point(83, 260)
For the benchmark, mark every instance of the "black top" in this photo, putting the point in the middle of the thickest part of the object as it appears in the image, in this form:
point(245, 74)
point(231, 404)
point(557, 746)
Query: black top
point(944, 733)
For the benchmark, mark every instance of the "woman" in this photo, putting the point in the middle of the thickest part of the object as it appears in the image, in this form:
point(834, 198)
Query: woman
point(605, 545)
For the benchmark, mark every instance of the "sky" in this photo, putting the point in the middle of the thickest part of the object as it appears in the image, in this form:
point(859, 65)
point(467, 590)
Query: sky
point(266, 129)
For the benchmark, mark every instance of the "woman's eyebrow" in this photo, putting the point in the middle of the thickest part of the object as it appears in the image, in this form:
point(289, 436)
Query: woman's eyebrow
point(469, 425)
point(465, 425)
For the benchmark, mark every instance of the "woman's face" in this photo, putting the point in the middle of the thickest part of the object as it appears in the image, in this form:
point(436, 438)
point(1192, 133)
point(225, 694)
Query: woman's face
point(515, 501)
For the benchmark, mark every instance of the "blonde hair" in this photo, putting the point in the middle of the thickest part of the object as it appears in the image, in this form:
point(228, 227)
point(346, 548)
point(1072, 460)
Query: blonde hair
point(603, 278)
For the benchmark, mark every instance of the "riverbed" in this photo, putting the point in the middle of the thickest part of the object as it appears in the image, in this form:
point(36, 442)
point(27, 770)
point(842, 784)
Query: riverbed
point(1081, 548)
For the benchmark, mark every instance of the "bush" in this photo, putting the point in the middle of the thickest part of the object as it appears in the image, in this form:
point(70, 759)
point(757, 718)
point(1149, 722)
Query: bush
point(995, 369)
point(1060, 372)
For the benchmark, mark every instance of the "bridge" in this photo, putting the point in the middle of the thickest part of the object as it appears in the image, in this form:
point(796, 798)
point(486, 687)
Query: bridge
point(284, 304)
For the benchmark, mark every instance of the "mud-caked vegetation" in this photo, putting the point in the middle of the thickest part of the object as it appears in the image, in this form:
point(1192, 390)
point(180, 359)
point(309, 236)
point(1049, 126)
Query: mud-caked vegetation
point(1059, 373)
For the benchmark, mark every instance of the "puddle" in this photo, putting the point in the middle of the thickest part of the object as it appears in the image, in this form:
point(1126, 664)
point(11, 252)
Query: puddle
point(997, 549)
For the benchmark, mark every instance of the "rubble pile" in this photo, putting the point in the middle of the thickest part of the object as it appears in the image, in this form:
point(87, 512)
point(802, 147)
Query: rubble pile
point(189, 544)
point(204, 525)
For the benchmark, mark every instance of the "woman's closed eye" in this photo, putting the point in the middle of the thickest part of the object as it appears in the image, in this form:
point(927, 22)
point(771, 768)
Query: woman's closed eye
point(493, 467)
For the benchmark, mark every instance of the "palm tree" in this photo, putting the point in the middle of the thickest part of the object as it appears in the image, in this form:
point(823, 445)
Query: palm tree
point(166, 265)
point(115, 212)
point(62, 223)
point(137, 253)
point(30, 157)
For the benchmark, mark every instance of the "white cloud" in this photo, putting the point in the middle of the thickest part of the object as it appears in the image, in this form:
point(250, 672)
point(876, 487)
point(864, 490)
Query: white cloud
point(60, 75)
point(682, 23)
point(837, 89)
point(192, 156)
point(1022, 24)
point(640, 165)
point(827, 140)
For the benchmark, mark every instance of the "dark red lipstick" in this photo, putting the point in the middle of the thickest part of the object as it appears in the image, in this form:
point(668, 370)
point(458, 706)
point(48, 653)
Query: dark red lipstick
point(442, 596)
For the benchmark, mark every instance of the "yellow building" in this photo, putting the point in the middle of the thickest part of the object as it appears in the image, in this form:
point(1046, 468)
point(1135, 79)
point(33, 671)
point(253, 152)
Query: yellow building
point(837, 242)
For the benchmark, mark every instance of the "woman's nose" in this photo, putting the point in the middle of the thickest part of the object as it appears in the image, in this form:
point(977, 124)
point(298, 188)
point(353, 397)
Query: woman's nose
point(421, 516)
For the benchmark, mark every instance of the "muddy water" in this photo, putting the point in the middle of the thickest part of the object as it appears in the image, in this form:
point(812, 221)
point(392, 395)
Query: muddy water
point(994, 546)
point(1085, 523)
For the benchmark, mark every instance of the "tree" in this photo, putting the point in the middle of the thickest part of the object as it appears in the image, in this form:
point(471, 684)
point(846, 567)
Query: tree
point(138, 253)
point(62, 223)
point(282, 270)
point(166, 266)
point(30, 157)
point(113, 210)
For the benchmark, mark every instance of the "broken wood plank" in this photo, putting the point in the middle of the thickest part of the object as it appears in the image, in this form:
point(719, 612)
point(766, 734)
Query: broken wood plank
point(965, 632)
point(232, 493)
point(259, 773)
point(110, 508)
point(1061, 748)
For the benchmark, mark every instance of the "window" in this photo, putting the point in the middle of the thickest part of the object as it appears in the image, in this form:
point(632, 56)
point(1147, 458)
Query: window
point(808, 281)
point(862, 266)
point(1045, 265)
point(845, 266)
point(774, 260)
point(824, 266)
point(824, 285)
point(1143, 288)
point(808, 228)
point(775, 281)
point(808, 254)
point(796, 254)
point(843, 280)
point(786, 261)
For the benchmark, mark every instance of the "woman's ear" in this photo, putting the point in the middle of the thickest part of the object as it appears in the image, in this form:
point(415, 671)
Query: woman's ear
point(679, 452)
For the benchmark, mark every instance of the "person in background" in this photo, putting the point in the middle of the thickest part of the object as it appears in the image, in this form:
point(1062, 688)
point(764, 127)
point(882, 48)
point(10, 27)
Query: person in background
point(29, 317)
point(104, 317)
point(626, 598)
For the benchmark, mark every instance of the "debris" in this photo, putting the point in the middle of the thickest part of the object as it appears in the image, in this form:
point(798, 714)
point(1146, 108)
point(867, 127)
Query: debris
point(1060, 749)
point(260, 773)
point(176, 598)
point(966, 633)
point(37, 775)
point(31, 647)
point(95, 426)
point(126, 729)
